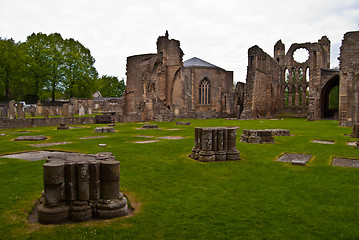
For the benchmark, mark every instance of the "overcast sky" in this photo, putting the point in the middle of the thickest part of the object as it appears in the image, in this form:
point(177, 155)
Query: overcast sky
point(219, 32)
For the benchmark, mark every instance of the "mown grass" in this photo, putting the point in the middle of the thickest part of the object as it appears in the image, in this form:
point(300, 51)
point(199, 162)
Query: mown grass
point(179, 198)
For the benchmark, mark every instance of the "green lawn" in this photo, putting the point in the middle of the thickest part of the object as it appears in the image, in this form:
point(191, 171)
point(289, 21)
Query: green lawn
point(176, 197)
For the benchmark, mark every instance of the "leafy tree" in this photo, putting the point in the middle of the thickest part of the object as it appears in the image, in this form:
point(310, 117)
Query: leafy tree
point(80, 79)
point(110, 86)
point(38, 63)
point(11, 68)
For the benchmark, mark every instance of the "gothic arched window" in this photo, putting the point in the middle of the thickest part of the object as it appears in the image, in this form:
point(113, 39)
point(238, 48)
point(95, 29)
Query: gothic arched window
point(204, 92)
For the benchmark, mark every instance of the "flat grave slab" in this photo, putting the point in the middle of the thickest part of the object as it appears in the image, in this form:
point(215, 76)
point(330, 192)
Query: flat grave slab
point(345, 162)
point(31, 138)
point(295, 158)
point(171, 137)
point(49, 144)
point(323, 141)
point(352, 143)
point(148, 141)
point(91, 137)
point(144, 136)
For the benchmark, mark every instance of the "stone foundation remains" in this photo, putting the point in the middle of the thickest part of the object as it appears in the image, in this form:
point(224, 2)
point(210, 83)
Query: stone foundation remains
point(31, 138)
point(215, 144)
point(80, 187)
point(105, 130)
point(279, 132)
point(150, 126)
point(257, 136)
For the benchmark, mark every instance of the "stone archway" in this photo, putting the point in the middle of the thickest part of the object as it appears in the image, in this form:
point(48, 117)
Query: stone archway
point(326, 111)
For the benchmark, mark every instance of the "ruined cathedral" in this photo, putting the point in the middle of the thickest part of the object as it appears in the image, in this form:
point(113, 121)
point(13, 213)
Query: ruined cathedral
point(282, 84)
point(162, 87)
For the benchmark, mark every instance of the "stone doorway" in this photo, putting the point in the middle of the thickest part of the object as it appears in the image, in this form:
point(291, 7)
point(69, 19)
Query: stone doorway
point(329, 99)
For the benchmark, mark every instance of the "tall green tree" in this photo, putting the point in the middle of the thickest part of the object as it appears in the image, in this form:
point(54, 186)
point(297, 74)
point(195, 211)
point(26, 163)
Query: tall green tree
point(11, 68)
point(38, 63)
point(80, 74)
point(110, 86)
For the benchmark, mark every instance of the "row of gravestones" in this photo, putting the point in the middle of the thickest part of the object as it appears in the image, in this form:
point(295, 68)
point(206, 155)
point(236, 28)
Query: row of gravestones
point(17, 110)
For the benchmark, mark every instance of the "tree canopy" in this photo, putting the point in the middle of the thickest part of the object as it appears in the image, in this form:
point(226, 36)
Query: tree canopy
point(48, 66)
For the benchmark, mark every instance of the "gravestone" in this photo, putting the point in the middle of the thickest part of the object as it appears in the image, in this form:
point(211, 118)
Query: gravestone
point(355, 133)
point(39, 109)
point(81, 110)
point(31, 138)
point(89, 110)
point(45, 111)
point(65, 110)
point(20, 111)
point(32, 111)
point(12, 113)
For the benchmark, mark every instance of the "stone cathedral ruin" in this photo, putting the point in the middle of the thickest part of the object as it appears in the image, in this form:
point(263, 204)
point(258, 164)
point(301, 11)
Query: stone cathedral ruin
point(162, 87)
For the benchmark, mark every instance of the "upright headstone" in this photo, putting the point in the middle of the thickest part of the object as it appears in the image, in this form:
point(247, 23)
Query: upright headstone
point(89, 110)
point(12, 113)
point(65, 110)
point(71, 110)
point(20, 111)
point(45, 111)
point(355, 133)
point(39, 109)
point(32, 111)
point(81, 110)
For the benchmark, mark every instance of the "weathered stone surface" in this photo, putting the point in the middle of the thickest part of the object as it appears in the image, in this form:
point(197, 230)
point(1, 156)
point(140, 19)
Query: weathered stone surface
point(257, 136)
point(31, 138)
point(295, 158)
point(345, 162)
point(53, 214)
point(105, 130)
point(90, 184)
point(183, 123)
point(161, 86)
point(62, 127)
point(150, 126)
point(355, 133)
point(215, 144)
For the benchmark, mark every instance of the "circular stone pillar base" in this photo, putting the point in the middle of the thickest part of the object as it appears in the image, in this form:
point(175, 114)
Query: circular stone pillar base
point(53, 215)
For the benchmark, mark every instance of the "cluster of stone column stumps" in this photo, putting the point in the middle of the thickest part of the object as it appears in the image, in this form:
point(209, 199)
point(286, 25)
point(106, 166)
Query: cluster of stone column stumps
point(215, 144)
point(81, 187)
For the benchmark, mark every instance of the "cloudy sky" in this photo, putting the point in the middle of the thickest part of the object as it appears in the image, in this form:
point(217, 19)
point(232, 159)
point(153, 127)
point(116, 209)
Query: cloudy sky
point(219, 32)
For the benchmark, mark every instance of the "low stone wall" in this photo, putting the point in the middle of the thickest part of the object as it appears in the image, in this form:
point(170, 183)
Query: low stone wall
point(41, 122)
point(257, 136)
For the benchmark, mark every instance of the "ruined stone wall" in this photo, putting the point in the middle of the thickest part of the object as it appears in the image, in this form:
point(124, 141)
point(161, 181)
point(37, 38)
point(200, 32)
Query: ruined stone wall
point(282, 84)
point(222, 97)
point(349, 80)
point(159, 87)
point(239, 98)
point(262, 94)
point(41, 122)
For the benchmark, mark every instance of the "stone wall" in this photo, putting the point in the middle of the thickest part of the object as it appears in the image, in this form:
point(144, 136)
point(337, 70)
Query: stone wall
point(160, 88)
point(282, 84)
point(349, 80)
point(262, 92)
point(41, 122)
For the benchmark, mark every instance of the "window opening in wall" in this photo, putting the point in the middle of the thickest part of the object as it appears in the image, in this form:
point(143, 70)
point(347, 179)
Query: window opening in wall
point(293, 96)
point(286, 76)
point(301, 55)
point(204, 92)
point(300, 91)
point(286, 96)
point(293, 75)
point(307, 75)
point(334, 98)
point(300, 74)
point(251, 61)
point(307, 96)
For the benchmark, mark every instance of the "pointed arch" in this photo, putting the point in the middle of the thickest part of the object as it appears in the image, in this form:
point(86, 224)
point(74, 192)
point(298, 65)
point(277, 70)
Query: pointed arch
point(205, 92)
